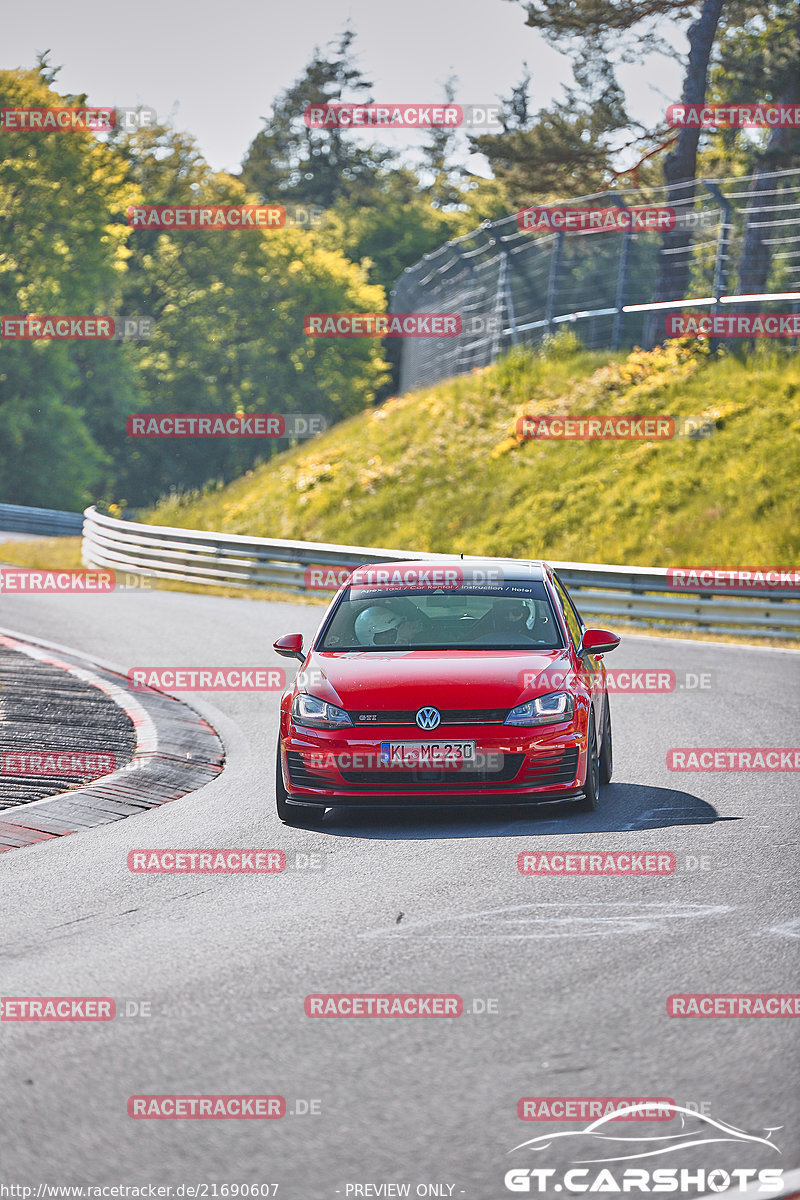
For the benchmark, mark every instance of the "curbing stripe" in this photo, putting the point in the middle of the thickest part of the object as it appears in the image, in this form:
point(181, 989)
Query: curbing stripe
point(177, 752)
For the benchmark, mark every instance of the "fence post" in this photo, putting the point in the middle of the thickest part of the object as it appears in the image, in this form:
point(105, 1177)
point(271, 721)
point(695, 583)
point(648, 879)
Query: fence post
point(503, 296)
point(622, 276)
point(552, 283)
point(721, 259)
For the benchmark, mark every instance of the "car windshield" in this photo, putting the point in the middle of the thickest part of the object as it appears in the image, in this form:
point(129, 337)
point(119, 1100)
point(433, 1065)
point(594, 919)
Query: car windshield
point(510, 616)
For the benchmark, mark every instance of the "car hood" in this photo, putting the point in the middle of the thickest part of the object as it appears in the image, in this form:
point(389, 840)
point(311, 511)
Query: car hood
point(364, 680)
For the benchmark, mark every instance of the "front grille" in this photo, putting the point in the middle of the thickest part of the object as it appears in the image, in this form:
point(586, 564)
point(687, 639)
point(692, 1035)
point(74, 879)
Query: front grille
point(300, 776)
point(453, 781)
point(450, 716)
point(547, 769)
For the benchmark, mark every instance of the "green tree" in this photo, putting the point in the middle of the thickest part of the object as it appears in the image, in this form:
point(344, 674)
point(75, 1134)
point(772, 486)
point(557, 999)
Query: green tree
point(289, 162)
point(758, 59)
point(62, 252)
point(567, 149)
point(229, 309)
point(609, 29)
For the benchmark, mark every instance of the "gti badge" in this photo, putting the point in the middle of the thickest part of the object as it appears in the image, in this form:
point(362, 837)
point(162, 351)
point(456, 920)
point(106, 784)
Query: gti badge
point(428, 718)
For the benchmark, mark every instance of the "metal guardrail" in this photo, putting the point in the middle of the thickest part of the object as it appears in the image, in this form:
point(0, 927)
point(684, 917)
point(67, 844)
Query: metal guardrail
point(638, 595)
point(46, 522)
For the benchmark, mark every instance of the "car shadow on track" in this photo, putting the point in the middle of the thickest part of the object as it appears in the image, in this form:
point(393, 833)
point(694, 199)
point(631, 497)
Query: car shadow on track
point(623, 807)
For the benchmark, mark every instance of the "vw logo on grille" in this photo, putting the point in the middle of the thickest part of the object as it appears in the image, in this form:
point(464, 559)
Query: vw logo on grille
point(428, 718)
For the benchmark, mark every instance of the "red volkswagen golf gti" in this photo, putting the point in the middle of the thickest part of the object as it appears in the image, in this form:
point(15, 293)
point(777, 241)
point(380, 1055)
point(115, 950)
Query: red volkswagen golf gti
point(445, 682)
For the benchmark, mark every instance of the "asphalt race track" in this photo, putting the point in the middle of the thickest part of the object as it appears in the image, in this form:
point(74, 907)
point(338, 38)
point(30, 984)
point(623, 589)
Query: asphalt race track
point(578, 969)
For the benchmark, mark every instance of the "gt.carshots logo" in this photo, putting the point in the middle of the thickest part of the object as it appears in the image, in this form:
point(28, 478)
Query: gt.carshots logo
point(402, 1004)
point(342, 324)
point(208, 1108)
point(208, 679)
point(206, 216)
point(604, 1142)
point(639, 218)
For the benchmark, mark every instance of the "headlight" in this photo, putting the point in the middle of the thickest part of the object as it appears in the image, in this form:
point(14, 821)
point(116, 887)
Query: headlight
point(308, 710)
point(544, 710)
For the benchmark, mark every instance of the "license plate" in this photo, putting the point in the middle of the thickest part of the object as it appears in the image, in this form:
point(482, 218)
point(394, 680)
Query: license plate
point(444, 755)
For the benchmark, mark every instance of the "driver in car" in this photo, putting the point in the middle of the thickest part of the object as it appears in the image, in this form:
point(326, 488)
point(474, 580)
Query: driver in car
point(509, 618)
point(380, 625)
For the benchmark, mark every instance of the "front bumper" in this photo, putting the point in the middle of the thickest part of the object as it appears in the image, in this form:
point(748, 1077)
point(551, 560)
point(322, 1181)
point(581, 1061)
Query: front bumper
point(517, 766)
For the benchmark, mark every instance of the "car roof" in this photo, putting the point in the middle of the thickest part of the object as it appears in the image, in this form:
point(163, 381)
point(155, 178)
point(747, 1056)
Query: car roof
point(512, 568)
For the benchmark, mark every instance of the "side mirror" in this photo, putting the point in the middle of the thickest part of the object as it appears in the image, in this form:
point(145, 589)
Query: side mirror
point(598, 641)
point(290, 646)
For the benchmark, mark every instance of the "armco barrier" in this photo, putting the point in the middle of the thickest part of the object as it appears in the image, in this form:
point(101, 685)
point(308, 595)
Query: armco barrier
point(636, 595)
point(47, 522)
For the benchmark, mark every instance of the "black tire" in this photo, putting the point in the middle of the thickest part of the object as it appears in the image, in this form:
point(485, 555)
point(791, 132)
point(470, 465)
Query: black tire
point(607, 748)
point(292, 814)
point(591, 789)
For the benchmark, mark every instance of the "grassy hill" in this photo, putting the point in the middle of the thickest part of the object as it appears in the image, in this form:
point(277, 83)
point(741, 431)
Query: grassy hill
point(442, 469)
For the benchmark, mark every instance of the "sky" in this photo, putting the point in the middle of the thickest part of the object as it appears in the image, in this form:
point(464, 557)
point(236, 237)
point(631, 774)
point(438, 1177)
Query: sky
point(213, 68)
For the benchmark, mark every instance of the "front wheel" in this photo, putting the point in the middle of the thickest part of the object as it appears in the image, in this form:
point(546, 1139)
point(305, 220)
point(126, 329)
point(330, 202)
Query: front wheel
point(292, 814)
point(591, 789)
point(606, 750)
